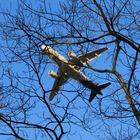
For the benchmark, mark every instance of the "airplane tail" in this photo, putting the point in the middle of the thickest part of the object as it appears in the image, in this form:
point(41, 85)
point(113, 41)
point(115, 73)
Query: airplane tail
point(96, 91)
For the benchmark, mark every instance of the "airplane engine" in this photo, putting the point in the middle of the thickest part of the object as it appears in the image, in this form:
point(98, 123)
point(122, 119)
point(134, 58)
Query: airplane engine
point(75, 60)
point(72, 55)
point(53, 74)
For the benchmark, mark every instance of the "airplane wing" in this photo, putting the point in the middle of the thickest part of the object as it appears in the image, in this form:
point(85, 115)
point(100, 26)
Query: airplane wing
point(92, 55)
point(59, 81)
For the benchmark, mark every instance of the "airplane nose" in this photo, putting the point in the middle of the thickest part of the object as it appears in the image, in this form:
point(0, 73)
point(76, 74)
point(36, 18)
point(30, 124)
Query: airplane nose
point(69, 54)
point(43, 47)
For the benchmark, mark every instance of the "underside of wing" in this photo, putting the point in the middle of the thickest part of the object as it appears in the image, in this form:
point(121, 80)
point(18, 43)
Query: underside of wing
point(59, 81)
point(91, 55)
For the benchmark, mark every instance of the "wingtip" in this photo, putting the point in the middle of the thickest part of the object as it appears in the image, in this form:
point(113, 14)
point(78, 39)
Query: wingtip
point(105, 48)
point(52, 95)
point(51, 98)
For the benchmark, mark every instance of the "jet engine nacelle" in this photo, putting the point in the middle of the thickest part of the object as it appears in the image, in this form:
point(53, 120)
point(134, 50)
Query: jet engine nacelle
point(75, 60)
point(72, 55)
point(53, 74)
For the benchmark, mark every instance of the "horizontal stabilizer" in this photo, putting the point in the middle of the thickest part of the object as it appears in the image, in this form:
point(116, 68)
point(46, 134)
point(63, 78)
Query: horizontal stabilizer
point(104, 85)
point(96, 91)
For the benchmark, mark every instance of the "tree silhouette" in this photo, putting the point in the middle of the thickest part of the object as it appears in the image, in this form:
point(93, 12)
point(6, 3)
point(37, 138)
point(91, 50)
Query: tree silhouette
point(79, 26)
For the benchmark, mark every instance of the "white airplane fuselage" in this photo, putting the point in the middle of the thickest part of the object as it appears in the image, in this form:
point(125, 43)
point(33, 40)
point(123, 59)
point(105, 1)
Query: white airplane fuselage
point(67, 69)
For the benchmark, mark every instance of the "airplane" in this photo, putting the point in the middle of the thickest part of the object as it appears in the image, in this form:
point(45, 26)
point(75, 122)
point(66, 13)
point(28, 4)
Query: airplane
point(70, 68)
